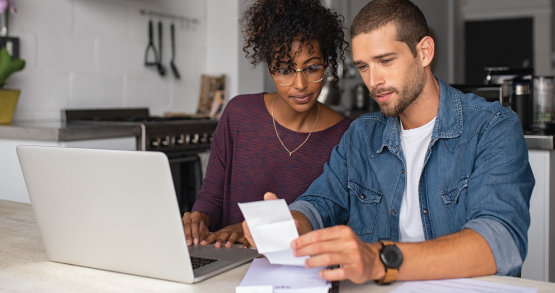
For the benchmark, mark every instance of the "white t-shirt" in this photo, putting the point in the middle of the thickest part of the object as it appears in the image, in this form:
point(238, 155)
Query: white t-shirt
point(415, 145)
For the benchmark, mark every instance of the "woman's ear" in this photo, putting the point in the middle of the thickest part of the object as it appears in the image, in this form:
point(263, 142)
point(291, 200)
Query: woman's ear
point(426, 50)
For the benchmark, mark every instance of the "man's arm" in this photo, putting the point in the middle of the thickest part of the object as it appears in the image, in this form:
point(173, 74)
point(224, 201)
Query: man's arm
point(462, 254)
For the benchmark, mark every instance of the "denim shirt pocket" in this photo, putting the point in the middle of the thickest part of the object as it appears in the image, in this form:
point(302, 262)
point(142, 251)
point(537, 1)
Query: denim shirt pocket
point(451, 195)
point(365, 203)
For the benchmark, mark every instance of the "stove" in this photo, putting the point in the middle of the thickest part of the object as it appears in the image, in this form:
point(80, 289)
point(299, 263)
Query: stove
point(166, 134)
point(184, 140)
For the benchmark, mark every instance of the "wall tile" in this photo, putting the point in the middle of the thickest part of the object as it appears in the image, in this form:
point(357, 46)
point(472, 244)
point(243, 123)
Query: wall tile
point(101, 19)
point(66, 52)
point(50, 16)
point(150, 90)
point(90, 90)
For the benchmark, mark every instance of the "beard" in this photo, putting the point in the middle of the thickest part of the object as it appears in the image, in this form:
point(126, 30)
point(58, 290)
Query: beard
point(409, 92)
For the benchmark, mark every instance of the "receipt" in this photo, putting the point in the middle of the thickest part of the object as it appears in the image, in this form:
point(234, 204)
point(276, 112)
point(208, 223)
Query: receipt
point(273, 228)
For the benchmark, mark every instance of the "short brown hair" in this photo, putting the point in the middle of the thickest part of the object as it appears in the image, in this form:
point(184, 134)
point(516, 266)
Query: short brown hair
point(409, 20)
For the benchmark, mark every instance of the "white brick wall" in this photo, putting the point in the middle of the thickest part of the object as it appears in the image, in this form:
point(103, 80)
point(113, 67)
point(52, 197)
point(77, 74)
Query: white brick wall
point(90, 54)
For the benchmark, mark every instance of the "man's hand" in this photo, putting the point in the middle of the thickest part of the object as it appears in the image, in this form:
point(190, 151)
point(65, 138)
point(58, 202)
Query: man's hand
point(248, 236)
point(360, 262)
point(227, 235)
point(196, 227)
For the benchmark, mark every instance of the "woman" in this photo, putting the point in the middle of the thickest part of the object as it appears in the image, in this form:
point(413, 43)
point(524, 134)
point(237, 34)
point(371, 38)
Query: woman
point(274, 142)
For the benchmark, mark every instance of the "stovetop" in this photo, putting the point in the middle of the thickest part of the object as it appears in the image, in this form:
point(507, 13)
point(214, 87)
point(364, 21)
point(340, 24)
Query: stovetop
point(167, 134)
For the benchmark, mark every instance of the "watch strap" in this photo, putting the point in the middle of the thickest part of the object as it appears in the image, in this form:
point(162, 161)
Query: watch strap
point(390, 273)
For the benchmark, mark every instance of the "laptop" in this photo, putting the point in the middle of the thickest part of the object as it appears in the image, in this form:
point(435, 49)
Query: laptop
point(116, 211)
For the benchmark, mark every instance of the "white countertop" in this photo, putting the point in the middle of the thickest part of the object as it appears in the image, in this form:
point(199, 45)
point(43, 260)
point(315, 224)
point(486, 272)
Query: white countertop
point(25, 268)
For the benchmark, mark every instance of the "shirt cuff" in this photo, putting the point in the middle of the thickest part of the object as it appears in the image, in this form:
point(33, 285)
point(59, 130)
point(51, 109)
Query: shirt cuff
point(309, 211)
point(506, 253)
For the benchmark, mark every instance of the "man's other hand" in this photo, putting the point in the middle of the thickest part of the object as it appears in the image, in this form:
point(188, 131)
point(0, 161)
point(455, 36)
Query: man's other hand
point(360, 262)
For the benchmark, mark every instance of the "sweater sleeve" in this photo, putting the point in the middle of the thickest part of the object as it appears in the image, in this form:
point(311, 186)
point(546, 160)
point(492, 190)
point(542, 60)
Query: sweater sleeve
point(211, 196)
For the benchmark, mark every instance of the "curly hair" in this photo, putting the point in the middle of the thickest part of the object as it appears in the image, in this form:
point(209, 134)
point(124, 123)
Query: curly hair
point(271, 26)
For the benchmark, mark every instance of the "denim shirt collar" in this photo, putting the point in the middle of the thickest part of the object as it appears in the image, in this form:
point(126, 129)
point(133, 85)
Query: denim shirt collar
point(449, 120)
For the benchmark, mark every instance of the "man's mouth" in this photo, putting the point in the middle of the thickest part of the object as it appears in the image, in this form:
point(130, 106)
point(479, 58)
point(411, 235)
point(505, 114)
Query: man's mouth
point(383, 97)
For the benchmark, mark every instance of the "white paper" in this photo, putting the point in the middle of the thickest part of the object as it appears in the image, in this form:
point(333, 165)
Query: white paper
point(272, 228)
point(460, 286)
point(262, 277)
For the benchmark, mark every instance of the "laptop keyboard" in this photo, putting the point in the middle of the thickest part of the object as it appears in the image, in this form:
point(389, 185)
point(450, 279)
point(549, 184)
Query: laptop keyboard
point(201, 261)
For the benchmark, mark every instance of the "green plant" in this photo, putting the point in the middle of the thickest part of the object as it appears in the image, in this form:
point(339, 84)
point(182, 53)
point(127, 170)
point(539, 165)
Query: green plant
point(8, 66)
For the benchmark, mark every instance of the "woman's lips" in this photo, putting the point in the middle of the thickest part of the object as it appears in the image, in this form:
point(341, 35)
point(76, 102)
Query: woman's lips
point(383, 97)
point(301, 99)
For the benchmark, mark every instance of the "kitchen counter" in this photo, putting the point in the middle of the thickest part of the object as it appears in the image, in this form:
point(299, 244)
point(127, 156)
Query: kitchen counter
point(56, 131)
point(25, 268)
point(60, 132)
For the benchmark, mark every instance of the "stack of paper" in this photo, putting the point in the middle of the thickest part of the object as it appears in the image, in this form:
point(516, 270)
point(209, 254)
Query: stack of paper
point(273, 228)
point(264, 277)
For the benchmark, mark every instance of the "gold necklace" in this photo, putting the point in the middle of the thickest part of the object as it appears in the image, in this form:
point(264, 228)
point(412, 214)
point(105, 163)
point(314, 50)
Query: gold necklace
point(274, 120)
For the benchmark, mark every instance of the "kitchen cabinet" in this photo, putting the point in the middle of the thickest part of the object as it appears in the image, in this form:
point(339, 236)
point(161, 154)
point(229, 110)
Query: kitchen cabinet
point(540, 262)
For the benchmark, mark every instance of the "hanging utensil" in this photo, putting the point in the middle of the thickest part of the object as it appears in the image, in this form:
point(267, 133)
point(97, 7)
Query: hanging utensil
point(172, 65)
point(161, 68)
point(150, 47)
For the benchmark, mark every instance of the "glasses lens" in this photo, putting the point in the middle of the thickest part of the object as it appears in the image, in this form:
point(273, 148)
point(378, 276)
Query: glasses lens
point(284, 76)
point(314, 73)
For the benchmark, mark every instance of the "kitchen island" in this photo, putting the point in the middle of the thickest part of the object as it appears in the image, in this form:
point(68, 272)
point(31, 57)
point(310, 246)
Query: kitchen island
point(25, 268)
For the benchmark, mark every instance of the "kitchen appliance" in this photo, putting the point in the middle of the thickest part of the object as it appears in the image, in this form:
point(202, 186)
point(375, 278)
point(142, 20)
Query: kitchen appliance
point(492, 92)
point(522, 101)
point(543, 103)
point(182, 139)
point(504, 76)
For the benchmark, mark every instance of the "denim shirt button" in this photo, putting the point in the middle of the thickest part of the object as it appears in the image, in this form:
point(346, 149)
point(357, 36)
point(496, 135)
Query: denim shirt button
point(425, 211)
point(363, 196)
point(394, 212)
point(403, 171)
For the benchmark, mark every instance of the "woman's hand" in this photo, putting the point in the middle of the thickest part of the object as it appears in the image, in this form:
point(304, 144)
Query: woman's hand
point(196, 227)
point(227, 235)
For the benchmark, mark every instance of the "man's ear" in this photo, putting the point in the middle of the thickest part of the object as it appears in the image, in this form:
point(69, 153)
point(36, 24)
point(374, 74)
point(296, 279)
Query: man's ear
point(426, 50)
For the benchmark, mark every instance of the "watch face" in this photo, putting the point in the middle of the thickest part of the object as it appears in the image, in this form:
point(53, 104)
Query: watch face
point(391, 256)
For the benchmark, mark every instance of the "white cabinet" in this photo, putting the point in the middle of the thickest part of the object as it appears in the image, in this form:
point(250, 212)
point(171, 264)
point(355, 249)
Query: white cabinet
point(540, 262)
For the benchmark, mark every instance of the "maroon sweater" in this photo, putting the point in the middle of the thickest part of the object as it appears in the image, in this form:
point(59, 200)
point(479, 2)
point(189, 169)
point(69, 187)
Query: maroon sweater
point(247, 160)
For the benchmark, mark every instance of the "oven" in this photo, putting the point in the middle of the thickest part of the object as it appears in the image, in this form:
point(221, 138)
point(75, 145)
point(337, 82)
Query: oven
point(185, 140)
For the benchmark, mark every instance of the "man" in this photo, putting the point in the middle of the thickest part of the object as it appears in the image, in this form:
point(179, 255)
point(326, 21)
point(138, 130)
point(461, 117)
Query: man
point(443, 176)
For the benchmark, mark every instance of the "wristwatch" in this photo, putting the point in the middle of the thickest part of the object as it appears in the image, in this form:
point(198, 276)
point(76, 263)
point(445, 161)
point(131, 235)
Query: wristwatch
point(392, 258)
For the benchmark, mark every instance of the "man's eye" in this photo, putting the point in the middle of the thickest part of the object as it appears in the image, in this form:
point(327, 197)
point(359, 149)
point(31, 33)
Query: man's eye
point(386, 61)
point(362, 67)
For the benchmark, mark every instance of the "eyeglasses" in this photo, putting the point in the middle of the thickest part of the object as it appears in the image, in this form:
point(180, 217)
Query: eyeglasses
point(312, 73)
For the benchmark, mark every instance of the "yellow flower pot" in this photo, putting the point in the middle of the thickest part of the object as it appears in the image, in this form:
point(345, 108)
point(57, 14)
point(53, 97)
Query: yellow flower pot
point(8, 100)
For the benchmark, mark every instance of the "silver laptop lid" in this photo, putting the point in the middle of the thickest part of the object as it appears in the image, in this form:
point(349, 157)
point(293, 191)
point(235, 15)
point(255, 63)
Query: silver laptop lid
point(113, 210)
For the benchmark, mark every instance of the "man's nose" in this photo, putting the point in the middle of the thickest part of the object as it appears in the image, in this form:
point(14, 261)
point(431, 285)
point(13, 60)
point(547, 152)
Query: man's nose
point(373, 78)
point(300, 82)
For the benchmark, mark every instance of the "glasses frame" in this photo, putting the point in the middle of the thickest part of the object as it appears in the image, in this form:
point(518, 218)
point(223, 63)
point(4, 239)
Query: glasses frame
point(272, 72)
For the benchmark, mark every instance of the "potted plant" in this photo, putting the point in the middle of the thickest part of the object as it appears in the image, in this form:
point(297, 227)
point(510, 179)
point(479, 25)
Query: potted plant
point(8, 97)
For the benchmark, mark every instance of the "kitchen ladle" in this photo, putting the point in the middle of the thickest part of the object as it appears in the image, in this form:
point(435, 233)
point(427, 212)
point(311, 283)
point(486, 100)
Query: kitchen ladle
point(161, 68)
point(172, 65)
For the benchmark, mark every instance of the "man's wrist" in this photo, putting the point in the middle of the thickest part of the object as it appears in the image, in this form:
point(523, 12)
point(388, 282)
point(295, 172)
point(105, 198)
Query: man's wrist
point(303, 224)
point(378, 266)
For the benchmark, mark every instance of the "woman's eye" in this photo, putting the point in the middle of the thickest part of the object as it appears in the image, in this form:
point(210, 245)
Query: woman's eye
point(285, 71)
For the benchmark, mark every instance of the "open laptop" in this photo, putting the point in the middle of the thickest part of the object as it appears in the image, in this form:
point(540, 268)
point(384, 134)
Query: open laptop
point(116, 211)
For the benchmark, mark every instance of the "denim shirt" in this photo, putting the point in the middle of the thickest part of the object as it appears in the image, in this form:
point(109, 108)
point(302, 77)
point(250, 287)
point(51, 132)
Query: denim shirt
point(476, 175)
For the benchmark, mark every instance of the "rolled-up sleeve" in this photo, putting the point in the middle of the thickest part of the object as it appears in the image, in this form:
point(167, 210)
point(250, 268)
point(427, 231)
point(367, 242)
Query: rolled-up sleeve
point(501, 243)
